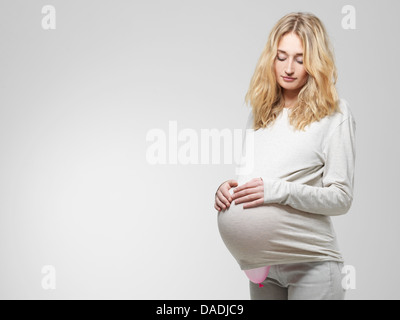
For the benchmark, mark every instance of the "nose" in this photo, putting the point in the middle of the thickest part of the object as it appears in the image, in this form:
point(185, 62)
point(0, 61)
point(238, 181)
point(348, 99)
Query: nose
point(289, 70)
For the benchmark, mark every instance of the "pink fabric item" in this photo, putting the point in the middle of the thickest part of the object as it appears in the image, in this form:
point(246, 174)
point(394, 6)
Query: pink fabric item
point(258, 275)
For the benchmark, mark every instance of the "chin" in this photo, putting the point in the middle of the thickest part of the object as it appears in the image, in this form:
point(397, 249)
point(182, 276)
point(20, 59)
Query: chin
point(290, 88)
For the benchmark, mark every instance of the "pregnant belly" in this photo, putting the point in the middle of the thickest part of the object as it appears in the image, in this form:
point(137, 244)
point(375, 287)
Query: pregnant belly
point(271, 234)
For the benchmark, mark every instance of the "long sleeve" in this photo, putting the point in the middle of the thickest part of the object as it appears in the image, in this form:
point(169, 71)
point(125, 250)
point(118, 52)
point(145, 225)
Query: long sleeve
point(336, 194)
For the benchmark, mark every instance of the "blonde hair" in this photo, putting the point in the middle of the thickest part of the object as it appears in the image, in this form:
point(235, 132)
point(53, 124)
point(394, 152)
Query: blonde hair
point(318, 97)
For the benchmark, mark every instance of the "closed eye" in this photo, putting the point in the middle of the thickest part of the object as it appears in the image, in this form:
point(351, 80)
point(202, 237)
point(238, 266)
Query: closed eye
point(283, 59)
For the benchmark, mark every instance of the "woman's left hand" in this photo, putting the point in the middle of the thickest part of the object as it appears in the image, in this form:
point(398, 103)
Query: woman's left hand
point(251, 194)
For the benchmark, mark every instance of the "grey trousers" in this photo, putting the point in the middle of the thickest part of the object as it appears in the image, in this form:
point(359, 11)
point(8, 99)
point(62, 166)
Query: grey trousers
point(301, 281)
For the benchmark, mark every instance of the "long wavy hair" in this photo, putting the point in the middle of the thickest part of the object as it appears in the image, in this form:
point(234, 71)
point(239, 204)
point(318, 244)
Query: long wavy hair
point(318, 97)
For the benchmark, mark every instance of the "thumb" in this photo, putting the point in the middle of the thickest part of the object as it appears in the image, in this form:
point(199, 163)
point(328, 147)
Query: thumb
point(233, 183)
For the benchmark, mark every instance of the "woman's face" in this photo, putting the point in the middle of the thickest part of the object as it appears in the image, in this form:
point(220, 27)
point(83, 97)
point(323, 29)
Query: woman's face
point(289, 70)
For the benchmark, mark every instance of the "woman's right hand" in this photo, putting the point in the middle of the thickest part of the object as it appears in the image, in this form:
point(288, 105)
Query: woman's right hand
point(223, 198)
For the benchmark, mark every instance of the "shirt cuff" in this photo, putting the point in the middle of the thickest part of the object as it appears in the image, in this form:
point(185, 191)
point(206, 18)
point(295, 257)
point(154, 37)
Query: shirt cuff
point(273, 191)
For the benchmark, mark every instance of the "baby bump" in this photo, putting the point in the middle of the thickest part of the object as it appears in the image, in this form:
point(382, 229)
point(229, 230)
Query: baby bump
point(249, 232)
point(272, 233)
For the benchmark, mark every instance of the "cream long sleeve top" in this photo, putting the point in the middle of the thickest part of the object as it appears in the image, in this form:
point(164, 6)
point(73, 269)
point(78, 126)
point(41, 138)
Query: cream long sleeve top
point(308, 176)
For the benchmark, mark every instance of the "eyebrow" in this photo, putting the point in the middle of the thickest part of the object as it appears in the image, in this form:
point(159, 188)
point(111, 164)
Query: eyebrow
point(282, 51)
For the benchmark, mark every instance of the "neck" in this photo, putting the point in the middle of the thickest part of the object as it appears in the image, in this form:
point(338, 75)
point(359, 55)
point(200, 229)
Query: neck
point(290, 97)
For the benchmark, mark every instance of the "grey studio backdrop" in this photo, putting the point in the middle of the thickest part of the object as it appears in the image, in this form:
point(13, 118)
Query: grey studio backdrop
point(85, 214)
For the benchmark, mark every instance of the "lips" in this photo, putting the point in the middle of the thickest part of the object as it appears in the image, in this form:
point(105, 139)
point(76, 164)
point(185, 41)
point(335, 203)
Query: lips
point(288, 79)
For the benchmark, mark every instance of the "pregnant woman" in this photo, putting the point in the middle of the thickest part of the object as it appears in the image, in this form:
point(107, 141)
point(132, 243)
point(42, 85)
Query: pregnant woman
point(279, 215)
